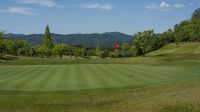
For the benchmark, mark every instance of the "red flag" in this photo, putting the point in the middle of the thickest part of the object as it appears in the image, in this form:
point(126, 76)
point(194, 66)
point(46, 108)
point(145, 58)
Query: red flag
point(116, 46)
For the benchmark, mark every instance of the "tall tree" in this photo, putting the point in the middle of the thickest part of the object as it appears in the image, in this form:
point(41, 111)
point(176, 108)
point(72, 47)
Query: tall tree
point(48, 42)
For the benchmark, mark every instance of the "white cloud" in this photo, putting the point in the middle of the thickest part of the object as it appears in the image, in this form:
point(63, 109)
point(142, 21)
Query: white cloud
point(98, 6)
point(152, 7)
point(47, 3)
point(164, 5)
point(178, 6)
point(18, 10)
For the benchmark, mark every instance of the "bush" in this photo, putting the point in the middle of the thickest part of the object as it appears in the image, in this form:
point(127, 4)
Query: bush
point(9, 57)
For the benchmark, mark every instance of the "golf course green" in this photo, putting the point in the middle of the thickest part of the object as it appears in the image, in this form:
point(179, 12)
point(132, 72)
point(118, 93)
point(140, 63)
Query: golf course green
point(89, 76)
point(166, 80)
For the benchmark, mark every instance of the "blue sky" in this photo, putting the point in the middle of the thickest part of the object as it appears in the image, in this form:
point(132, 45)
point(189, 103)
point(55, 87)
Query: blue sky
point(93, 16)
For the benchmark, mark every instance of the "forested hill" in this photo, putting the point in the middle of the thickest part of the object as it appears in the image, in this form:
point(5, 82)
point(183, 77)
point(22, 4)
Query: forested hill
point(104, 39)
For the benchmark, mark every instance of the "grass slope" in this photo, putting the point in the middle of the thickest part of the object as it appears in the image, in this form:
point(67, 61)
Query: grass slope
point(183, 48)
point(184, 51)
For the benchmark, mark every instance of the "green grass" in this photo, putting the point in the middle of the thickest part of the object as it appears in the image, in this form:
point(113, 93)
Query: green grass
point(100, 88)
point(167, 80)
point(185, 51)
point(90, 76)
point(183, 48)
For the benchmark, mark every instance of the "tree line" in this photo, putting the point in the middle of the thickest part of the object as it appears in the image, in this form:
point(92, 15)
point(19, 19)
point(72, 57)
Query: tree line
point(142, 43)
point(186, 31)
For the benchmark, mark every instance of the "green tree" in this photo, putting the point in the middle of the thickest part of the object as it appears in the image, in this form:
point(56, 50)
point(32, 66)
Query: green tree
point(16, 46)
point(144, 42)
point(98, 51)
point(105, 53)
point(25, 49)
point(33, 51)
point(77, 52)
point(167, 37)
point(60, 50)
point(196, 14)
point(176, 34)
point(125, 49)
point(47, 44)
point(2, 44)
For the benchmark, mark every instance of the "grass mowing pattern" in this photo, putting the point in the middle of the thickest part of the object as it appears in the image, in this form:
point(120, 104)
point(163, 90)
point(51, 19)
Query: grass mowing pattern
point(89, 76)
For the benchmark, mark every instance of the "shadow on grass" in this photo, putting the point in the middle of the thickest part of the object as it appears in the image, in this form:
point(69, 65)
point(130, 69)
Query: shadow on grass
point(180, 108)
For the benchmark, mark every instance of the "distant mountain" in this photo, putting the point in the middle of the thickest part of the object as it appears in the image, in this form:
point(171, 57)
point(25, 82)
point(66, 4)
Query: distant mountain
point(91, 40)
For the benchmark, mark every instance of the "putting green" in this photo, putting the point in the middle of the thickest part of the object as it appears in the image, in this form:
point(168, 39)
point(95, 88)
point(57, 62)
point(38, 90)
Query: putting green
point(89, 76)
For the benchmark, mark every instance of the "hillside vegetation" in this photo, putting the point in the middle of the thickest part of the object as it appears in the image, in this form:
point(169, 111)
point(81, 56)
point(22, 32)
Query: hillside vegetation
point(183, 48)
point(185, 51)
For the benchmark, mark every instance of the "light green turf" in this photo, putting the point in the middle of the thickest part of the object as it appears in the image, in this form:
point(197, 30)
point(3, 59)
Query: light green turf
point(89, 76)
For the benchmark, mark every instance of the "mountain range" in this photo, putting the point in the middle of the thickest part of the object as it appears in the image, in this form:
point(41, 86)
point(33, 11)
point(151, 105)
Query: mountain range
point(89, 40)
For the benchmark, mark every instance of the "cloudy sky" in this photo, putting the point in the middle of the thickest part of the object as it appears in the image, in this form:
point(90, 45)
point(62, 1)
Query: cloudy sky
point(93, 16)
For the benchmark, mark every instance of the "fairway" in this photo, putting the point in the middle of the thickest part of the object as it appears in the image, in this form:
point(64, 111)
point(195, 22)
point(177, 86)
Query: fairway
point(90, 76)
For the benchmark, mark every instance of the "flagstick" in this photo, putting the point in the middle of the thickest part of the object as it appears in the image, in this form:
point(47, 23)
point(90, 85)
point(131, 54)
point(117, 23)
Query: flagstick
point(116, 46)
point(117, 67)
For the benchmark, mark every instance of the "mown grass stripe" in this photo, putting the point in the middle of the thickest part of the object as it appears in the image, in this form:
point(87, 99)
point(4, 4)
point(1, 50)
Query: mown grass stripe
point(42, 84)
point(33, 75)
point(6, 70)
point(140, 75)
point(11, 81)
point(80, 78)
point(55, 78)
point(37, 83)
point(99, 75)
point(71, 78)
point(114, 77)
point(62, 82)
point(11, 73)
point(130, 76)
point(90, 76)
point(117, 69)
point(12, 84)
point(45, 83)
point(14, 74)
point(154, 72)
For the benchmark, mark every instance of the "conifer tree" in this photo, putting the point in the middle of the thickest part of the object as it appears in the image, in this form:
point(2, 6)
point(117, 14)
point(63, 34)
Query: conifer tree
point(47, 45)
point(48, 42)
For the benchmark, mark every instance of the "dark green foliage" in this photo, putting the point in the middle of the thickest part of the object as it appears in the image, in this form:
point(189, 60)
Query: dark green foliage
point(125, 49)
point(60, 50)
point(196, 14)
point(15, 47)
point(48, 42)
point(167, 37)
point(2, 44)
point(145, 42)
